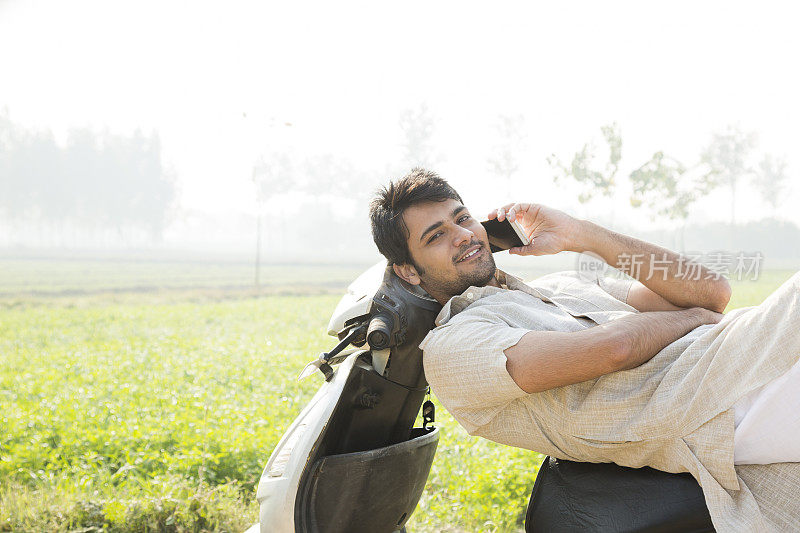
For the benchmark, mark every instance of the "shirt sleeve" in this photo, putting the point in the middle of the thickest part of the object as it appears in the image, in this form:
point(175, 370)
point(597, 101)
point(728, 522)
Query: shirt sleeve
point(465, 366)
point(616, 287)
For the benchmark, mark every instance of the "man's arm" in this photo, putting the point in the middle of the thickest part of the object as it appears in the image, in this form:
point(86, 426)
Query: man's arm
point(552, 231)
point(543, 360)
point(663, 273)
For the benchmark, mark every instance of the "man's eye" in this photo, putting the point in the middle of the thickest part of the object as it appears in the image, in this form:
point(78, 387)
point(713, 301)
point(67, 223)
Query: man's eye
point(434, 237)
point(464, 219)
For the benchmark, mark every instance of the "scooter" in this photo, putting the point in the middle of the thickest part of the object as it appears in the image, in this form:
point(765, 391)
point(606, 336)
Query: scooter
point(352, 461)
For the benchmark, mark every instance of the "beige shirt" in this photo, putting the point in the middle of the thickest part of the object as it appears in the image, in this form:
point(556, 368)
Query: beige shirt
point(672, 413)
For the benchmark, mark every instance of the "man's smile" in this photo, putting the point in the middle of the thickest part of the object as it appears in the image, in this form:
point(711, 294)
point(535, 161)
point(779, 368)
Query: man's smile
point(471, 253)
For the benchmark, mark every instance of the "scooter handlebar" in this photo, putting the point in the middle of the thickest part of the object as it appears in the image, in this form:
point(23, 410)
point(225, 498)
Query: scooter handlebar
point(379, 333)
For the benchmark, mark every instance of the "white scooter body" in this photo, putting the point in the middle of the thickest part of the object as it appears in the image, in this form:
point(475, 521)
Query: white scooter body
point(277, 488)
point(294, 465)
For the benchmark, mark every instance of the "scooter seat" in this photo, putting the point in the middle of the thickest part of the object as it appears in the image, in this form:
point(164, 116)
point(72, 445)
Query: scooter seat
point(571, 496)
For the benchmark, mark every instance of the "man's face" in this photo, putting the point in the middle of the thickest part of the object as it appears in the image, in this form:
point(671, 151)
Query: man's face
point(450, 249)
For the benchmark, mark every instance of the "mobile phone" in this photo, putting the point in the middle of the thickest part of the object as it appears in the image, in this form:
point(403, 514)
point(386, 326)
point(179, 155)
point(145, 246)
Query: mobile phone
point(504, 235)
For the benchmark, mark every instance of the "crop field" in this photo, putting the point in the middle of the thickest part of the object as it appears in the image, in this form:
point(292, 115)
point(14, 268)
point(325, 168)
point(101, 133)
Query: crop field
point(146, 401)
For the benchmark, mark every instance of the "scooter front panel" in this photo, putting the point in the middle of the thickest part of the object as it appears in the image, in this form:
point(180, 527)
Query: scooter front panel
point(277, 494)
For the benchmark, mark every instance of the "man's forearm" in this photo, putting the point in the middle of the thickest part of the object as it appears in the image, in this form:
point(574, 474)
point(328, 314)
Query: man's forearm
point(682, 282)
point(645, 334)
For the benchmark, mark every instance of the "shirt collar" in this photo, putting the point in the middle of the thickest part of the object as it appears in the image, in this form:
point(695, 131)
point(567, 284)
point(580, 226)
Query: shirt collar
point(507, 282)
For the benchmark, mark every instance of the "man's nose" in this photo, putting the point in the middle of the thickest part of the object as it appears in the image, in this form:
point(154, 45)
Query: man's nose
point(463, 235)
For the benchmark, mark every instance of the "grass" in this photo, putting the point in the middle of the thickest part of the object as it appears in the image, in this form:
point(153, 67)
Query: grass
point(155, 410)
point(40, 279)
point(123, 395)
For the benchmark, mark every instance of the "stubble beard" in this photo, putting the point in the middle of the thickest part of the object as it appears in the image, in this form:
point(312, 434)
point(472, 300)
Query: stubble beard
point(445, 287)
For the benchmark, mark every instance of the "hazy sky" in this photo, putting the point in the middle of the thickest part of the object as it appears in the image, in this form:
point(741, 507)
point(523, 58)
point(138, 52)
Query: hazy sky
point(219, 80)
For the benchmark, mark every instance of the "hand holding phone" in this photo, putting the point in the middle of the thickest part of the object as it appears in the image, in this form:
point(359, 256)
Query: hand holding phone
point(552, 230)
point(504, 235)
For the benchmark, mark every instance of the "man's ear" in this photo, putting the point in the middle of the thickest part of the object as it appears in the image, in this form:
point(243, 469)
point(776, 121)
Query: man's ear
point(407, 272)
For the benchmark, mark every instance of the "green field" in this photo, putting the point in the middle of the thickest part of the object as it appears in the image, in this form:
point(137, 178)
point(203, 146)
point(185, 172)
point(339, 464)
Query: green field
point(133, 399)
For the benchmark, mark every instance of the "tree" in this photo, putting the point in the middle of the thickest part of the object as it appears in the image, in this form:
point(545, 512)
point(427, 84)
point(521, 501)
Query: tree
point(332, 176)
point(139, 191)
point(582, 168)
point(770, 179)
point(95, 183)
point(504, 159)
point(272, 175)
point(113, 182)
point(418, 126)
point(28, 160)
point(8, 146)
point(662, 185)
point(727, 160)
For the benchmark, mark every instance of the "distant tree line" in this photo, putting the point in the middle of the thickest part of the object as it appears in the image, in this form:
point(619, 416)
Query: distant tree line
point(92, 189)
point(668, 188)
point(334, 192)
point(102, 188)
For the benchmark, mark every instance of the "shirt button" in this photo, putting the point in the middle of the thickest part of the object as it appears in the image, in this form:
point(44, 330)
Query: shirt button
point(470, 295)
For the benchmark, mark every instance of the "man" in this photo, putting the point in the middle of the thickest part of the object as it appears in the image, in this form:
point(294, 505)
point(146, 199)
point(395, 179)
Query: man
point(639, 372)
